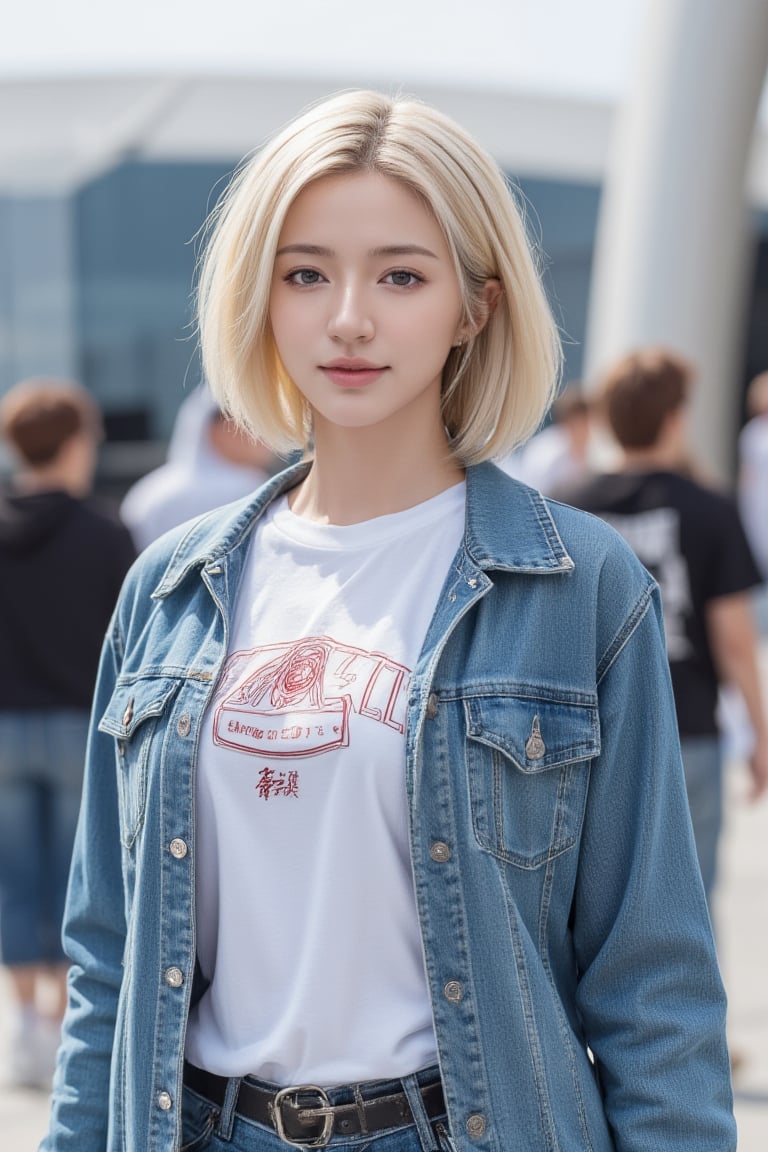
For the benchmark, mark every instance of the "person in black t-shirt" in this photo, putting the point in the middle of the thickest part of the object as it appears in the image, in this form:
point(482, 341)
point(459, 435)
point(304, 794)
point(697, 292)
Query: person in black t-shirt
point(691, 539)
point(62, 561)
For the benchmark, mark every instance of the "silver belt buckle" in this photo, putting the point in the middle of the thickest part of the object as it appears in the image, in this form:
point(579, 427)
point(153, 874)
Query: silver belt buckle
point(324, 1112)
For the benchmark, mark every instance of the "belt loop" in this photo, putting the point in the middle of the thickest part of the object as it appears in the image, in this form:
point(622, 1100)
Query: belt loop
point(412, 1091)
point(361, 1110)
point(227, 1117)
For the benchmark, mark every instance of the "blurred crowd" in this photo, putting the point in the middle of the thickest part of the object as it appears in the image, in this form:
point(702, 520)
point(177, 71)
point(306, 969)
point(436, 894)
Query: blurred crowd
point(620, 450)
point(707, 549)
point(63, 556)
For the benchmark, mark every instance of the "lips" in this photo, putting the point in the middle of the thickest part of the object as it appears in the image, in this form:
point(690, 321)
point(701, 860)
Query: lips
point(352, 373)
point(353, 364)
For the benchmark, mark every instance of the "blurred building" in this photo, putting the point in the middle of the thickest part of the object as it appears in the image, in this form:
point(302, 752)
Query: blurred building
point(105, 184)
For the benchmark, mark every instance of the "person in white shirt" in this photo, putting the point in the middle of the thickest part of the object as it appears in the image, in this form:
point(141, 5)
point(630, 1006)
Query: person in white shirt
point(753, 484)
point(559, 454)
point(210, 463)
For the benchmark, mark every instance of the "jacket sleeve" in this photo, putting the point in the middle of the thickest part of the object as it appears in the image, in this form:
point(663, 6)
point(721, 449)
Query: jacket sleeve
point(649, 991)
point(94, 940)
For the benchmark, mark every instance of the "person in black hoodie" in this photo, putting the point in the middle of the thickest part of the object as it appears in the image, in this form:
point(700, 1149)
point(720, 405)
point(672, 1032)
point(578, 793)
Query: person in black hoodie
point(62, 561)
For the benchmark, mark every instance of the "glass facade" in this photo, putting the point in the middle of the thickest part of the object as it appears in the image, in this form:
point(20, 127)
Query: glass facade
point(99, 286)
point(136, 246)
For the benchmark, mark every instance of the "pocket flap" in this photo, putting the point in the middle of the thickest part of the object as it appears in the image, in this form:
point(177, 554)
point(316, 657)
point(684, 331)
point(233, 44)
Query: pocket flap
point(134, 702)
point(535, 732)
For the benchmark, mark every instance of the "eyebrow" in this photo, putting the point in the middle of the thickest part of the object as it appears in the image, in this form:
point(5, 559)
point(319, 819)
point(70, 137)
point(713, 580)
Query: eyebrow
point(386, 250)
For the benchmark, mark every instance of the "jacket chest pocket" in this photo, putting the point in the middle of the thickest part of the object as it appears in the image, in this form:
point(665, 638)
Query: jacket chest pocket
point(527, 767)
point(133, 717)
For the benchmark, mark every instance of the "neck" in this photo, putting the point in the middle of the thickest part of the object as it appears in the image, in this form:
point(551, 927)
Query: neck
point(359, 474)
point(661, 457)
point(50, 479)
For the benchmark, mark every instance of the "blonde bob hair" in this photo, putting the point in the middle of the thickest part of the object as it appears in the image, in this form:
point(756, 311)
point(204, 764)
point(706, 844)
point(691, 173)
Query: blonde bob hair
point(496, 388)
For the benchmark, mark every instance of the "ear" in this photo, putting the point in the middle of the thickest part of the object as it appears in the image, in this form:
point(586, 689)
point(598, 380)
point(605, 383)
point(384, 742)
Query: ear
point(489, 295)
point(676, 423)
point(492, 290)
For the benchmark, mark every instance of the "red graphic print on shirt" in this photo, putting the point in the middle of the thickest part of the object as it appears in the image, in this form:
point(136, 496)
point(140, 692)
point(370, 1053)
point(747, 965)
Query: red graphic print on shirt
point(295, 699)
point(273, 783)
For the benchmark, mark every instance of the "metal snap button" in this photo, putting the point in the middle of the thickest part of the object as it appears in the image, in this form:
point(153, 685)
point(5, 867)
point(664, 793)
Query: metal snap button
point(164, 1101)
point(535, 747)
point(440, 852)
point(184, 724)
point(431, 706)
point(174, 977)
point(128, 714)
point(476, 1126)
point(454, 991)
point(178, 848)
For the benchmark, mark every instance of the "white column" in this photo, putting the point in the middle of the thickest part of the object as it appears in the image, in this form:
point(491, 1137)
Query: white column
point(671, 261)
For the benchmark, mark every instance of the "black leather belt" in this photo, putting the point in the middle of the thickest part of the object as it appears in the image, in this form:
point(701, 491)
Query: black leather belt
point(304, 1116)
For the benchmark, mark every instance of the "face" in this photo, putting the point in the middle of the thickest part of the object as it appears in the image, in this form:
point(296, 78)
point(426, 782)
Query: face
point(365, 303)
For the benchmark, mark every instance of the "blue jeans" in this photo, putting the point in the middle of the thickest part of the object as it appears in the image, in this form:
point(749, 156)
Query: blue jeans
point(41, 768)
point(206, 1128)
point(703, 766)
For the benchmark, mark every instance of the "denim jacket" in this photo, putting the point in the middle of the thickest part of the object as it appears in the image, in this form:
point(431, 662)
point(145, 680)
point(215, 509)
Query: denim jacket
point(574, 986)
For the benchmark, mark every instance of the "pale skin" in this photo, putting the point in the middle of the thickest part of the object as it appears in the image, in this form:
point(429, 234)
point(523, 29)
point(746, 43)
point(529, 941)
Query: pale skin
point(729, 620)
point(365, 307)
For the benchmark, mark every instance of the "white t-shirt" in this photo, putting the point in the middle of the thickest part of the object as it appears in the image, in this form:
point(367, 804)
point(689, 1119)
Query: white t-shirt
point(753, 487)
point(546, 462)
point(306, 912)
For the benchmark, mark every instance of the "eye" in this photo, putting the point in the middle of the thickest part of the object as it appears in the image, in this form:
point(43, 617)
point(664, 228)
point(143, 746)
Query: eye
point(304, 277)
point(401, 278)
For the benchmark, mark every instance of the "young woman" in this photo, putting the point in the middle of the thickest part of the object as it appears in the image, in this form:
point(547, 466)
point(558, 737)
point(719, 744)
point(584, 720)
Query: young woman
point(384, 841)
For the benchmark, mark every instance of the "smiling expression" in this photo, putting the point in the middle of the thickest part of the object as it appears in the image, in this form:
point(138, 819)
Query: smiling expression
point(365, 303)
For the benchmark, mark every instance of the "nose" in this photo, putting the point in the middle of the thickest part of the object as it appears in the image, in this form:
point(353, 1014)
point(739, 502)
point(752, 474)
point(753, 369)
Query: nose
point(350, 320)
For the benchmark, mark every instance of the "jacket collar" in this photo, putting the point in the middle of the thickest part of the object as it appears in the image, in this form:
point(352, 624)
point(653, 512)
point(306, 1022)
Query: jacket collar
point(508, 526)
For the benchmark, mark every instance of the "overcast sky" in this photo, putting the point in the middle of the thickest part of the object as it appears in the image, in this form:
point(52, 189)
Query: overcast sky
point(579, 46)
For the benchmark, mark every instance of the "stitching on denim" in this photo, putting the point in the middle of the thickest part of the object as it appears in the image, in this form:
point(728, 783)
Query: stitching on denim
point(553, 536)
point(178, 561)
point(170, 1026)
point(557, 562)
point(626, 631)
point(498, 798)
point(558, 844)
point(523, 690)
point(573, 754)
point(529, 1018)
point(135, 789)
point(117, 642)
point(473, 1052)
point(202, 1139)
point(493, 818)
point(549, 880)
point(179, 672)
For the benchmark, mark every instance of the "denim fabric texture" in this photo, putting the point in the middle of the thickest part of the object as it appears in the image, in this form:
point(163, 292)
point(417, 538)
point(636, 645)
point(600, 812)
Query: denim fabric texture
point(562, 913)
point(42, 755)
